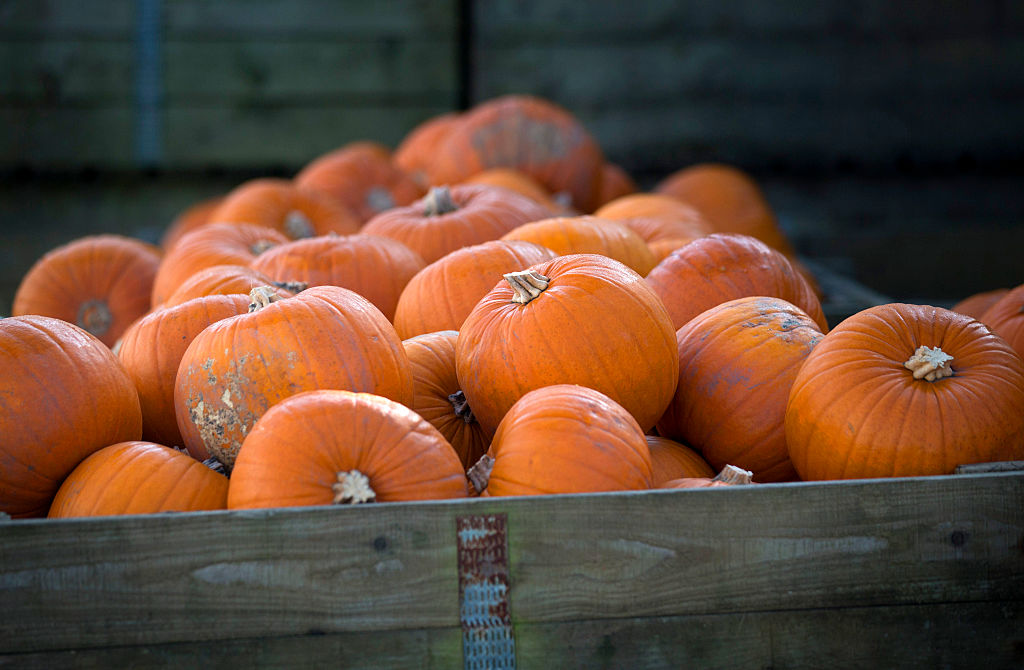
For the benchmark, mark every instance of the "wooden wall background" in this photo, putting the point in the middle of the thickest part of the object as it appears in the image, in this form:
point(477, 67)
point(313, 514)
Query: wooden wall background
point(887, 133)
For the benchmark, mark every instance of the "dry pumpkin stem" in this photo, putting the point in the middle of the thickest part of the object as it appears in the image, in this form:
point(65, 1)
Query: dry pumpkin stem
point(216, 466)
point(352, 488)
point(930, 364)
point(260, 246)
point(95, 317)
point(293, 286)
point(480, 473)
point(297, 225)
point(261, 296)
point(439, 201)
point(527, 284)
point(461, 406)
point(731, 474)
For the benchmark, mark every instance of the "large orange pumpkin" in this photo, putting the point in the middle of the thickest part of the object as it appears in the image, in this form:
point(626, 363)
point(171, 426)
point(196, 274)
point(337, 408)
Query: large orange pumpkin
point(336, 447)
point(438, 398)
point(139, 478)
point(100, 283)
point(63, 395)
point(976, 304)
point(566, 438)
point(737, 362)
point(1005, 316)
point(282, 205)
point(529, 134)
point(582, 319)
point(442, 295)
point(326, 337)
point(902, 390)
point(711, 270)
point(588, 235)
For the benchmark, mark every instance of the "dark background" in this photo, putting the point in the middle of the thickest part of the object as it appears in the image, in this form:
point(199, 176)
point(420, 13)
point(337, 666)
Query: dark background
point(887, 134)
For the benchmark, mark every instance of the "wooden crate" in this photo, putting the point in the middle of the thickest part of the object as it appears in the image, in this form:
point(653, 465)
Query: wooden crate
point(915, 572)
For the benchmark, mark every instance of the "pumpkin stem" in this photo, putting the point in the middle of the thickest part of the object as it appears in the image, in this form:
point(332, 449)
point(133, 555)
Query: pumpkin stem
point(259, 246)
point(297, 225)
point(95, 317)
point(352, 488)
point(439, 201)
point(731, 474)
point(293, 286)
point(262, 296)
point(215, 465)
point(929, 364)
point(528, 284)
point(480, 474)
point(461, 406)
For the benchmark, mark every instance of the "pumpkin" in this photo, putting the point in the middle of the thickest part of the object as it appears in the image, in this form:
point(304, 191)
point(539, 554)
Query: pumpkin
point(139, 478)
point(1006, 318)
point(63, 395)
point(672, 460)
point(151, 351)
point(441, 296)
point(976, 304)
point(194, 216)
point(714, 269)
point(528, 134)
point(335, 447)
point(656, 217)
point(228, 280)
point(521, 183)
point(729, 476)
point(377, 268)
point(437, 396)
point(100, 283)
point(615, 183)
point(565, 438)
point(737, 362)
point(282, 205)
point(581, 319)
point(588, 235)
point(447, 219)
point(326, 337)
point(362, 178)
point(416, 150)
point(213, 244)
point(904, 390)
point(729, 199)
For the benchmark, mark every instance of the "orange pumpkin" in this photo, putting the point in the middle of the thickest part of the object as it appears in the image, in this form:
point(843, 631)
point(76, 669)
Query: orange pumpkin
point(528, 134)
point(977, 304)
point(228, 280)
point(336, 447)
point(672, 460)
point(729, 476)
point(566, 438)
point(415, 152)
point(582, 319)
point(442, 295)
point(437, 396)
point(521, 183)
point(377, 268)
point(63, 395)
point(656, 217)
point(1006, 317)
point(151, 351)
point(904, 390)
point(737, 362)
point(326, 337)
point(139, 478)
point(282, 205)
point(100, 283)
point(615, 183)
point(194, 216)
point(449, 219)
point(588, 235)
point(711, 270)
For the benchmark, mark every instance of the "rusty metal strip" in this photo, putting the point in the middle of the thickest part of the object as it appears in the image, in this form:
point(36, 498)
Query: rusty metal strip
point(484, 607)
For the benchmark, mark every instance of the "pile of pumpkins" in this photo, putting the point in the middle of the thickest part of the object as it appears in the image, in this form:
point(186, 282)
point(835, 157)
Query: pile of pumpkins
point(490, 309)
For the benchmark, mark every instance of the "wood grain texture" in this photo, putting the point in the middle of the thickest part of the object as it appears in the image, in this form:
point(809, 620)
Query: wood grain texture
point(714, 552)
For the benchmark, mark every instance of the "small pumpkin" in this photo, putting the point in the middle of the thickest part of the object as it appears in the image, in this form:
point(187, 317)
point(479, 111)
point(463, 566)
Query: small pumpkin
point(673, 460)
point(290, 209)
point(588, 235)
point(729, 476)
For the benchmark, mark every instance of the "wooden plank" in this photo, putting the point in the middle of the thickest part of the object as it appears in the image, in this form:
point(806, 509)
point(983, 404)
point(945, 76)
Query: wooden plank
point(69, 18)
point(50, 72)
point(224, 575)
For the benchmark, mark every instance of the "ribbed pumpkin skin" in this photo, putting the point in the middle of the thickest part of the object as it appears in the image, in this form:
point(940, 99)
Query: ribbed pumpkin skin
point(656, 217)
point(737, 362)
point(531, 135)
point(63, 395)
point(222, 280)
point(672, 460)
point(588, 235)
point(615, 183)
point(139, 478)
point(484, 213)
point(514, 180)
point(377, 268)
point(194, 216)
point(597, 324)
point(442, 295)
point(326, 337)
point(151, 351)
point(100, 283)
point(416, 150)
point(432, 361)
point(855, 411)
point(293, 455)
point(213, 244)
point(568, 439)
point(977, 304)
point(711, 270)
point(287, 208)
point(1006, 318)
